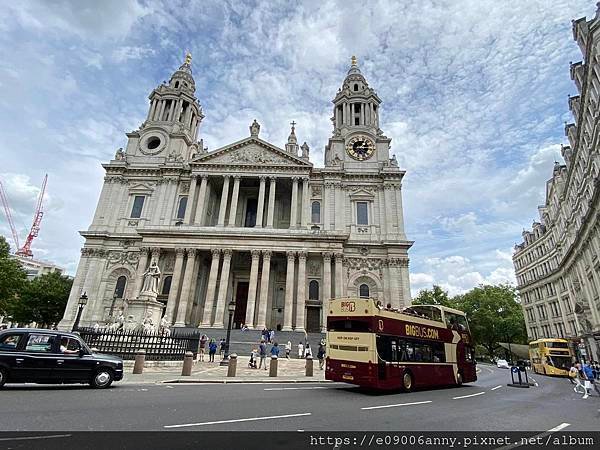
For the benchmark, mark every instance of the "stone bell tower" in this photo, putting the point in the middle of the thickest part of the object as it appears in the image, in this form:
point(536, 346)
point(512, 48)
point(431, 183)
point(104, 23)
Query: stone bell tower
point(171, 127)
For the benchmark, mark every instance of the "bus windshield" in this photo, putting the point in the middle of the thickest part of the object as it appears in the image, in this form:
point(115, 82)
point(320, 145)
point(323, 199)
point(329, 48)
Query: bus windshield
point(560, 362)
point(557, 345)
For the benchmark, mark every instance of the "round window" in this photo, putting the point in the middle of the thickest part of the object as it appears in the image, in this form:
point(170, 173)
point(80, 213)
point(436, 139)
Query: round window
point(153, 143)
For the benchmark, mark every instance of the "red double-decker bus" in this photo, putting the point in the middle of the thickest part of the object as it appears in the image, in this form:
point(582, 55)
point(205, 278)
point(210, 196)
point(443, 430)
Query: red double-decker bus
point(420, 346)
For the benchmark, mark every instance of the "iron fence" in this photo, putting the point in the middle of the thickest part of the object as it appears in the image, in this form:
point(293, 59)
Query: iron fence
point(125, 344)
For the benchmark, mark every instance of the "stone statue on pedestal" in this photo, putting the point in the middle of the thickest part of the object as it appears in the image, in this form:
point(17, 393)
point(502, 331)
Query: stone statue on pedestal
point(151, 277)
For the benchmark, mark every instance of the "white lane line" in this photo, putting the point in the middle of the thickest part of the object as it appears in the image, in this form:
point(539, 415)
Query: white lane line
point(31, 438)
point(467, 396)
point(497, 387)
point(559, 427)
point(249, 419)
point(295, 388)
point(398, 404)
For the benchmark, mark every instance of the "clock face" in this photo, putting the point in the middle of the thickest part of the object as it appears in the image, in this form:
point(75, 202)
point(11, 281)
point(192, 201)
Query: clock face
point(360, 148)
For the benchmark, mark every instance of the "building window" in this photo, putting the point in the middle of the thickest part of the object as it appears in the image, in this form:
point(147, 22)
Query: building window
point(181, 208)
point(166, 287)
point(138, 204)
point(363, 291)
point(362, 213)
point(313, 290)
point(355, 87)
point(120, 286)
point(316, 212)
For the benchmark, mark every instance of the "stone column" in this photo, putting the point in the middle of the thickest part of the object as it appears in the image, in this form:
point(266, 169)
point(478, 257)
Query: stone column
point(301, 296)
point(289, 292)
point(251, 304)
point(141, 268)
point(326, 206)
point(305, 211)
point(162, 109)
point(404, 274)
point(174, 292)
point(199, 215)
point(294, 210)
point(211, 288)
point(326, 279)
point(264, 291)
point(271, 210)
point(224, 197)
point(151, 109)
point(234, 200)
point(188, 218)
point(222, 298)
point(184, 299)
point(339, 275)
point(261, 203)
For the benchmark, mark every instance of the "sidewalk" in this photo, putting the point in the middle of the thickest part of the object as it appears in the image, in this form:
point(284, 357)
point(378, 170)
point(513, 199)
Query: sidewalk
point(289, 371)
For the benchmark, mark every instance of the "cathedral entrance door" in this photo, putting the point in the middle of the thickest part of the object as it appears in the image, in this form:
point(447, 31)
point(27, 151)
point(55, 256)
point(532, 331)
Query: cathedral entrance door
point(313, 319)
point(241, 300)
point(251, 206)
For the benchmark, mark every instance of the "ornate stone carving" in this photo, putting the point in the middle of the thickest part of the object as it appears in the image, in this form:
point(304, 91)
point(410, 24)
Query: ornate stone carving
point(317, 191)
point(291, 255)
point(314, 269)
point(327, 257)
point(266, 254)
point(118, 257)
point(185, 187)
point(227, 252)
point(191, 251)
point(179, 252)
point(302, 255)
point(168, 262)
point(155, 252)
point(133, 223)
point(120, 154)
point(216, 252)
point(253, 155)
point(363, 264)
point(255, 254)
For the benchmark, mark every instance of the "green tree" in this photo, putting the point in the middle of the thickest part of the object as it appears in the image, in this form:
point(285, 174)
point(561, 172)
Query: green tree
point(12, 277)
point(434, 296)
point(494, 315)
point(42, 300)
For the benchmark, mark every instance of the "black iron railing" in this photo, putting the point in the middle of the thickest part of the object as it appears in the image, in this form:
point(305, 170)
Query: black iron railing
point(158, 346)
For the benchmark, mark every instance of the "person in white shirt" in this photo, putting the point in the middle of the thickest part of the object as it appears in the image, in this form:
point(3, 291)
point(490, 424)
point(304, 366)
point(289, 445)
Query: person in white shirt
point(300, 350)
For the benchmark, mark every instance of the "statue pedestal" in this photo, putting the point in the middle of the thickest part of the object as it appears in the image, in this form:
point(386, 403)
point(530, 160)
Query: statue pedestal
point(145, 306)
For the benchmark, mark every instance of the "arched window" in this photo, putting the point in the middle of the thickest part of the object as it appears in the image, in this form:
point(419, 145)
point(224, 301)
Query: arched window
point(120, 286)
point(181, 208)
point(313, 290)
point(166, 285)
point(316, 212)
point(356, 87)
point(363, 291)
point(176, 84)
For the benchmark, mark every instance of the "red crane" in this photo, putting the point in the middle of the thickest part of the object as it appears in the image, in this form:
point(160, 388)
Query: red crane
point(35, 227)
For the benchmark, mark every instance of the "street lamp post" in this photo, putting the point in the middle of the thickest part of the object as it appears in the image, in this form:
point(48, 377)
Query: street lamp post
point(82, 302)
point(112, 306)
point(231, 309)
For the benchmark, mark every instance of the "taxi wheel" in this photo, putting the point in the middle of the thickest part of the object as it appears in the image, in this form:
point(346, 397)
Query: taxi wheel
point(102, 379)
point(407, 381)
point(3, 376)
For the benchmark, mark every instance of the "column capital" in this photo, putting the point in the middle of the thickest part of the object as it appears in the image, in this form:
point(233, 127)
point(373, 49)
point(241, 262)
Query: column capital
point(302, 255)
point(295, 179)
point(203, 176)
point(327, 256)
point(155, 252)
point(179, 252)
point(262, 178)
point(226, 176)
point(191, 251)
point(273, 178)
point(267, 254)
point(236, 177)
point(227, 252)
point(305, 179)
point(216, 252)
point(291, 255)
point(143, 249)
point(339, 256)
point(255, 254)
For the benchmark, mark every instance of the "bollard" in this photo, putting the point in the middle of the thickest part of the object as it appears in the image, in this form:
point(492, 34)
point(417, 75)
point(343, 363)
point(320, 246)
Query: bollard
point(273, 366)
point(232, 365)
point(309, 366)
point(138, 365)
point(188, 362)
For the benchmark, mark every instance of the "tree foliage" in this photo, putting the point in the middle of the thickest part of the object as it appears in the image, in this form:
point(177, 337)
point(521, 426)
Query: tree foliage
point(12, 277)
point(494, 313)
point(42, 300)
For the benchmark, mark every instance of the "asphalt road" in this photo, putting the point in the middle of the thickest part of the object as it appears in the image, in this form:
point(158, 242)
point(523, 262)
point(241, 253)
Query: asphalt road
point(485, 405)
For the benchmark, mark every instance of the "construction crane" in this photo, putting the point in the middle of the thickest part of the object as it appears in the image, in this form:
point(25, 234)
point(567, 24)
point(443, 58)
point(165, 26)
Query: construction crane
point(25, 250)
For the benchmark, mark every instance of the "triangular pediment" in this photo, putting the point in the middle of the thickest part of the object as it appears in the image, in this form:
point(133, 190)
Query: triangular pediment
point(251, 151)
point(361, 192)
point(141, 188)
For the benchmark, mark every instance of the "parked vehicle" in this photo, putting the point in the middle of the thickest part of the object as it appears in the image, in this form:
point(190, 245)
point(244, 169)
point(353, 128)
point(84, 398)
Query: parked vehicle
point(29, 355)
point(502, 364)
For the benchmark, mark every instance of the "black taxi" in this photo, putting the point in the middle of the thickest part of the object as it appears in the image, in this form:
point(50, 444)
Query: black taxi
point(30, 355)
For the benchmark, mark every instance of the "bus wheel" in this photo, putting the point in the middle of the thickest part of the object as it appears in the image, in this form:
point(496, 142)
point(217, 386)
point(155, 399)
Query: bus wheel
point(407, 381)
point(459, 379)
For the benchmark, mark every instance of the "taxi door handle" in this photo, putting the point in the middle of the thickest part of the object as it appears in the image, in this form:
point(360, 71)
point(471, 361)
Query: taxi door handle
point(60, 361)
point(19, 360)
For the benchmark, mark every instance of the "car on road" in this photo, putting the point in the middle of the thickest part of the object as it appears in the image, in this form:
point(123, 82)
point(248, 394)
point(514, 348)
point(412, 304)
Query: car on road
point(502, 364)
point(30, 355)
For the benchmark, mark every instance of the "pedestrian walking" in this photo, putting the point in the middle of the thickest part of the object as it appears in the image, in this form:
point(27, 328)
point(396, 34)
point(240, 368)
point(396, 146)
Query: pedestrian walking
point(307, 351)
point(288, 349)
point(262, 353)
point(321, 356)
point(589, 381)
point(573, 374)
point(212, 349)
point(264, 334)
point(275, 350)
point(222, 348)
point(202, 346)
point(271, 336)
point(253, 358)
point(300, 350)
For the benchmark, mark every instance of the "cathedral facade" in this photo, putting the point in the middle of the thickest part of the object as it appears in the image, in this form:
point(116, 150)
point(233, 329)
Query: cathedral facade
point(249, 222)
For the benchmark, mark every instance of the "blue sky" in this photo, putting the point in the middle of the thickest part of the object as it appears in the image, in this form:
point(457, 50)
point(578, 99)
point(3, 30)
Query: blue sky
point(475, 100)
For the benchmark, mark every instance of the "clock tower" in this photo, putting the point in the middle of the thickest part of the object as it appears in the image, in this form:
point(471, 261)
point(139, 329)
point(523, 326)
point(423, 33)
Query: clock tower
point(357, 141)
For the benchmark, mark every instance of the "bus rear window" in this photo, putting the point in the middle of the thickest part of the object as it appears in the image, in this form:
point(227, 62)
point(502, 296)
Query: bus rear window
point(348, 325)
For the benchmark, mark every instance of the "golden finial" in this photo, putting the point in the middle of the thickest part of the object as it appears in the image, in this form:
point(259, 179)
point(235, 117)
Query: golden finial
point(353, 60)
point(188, 58)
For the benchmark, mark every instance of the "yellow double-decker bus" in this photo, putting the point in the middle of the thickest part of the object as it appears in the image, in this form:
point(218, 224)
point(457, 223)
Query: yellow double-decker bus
point(551, 357)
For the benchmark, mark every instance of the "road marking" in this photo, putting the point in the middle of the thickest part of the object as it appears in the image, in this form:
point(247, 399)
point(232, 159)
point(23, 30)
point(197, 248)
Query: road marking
point(27, 438)
point(295, 388)
point(398, 404)
point(467, 396)
point(559, 427)
point(497, 387)
point(249, 419)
